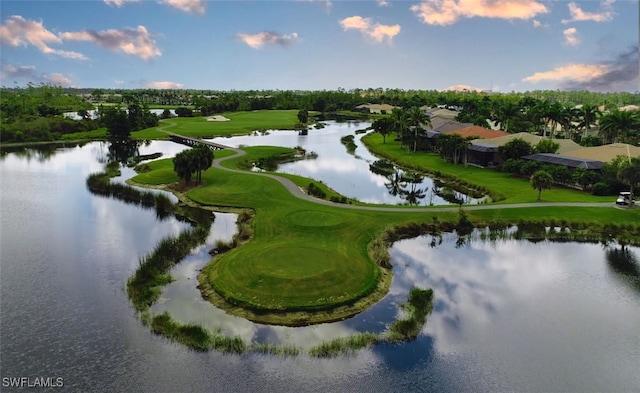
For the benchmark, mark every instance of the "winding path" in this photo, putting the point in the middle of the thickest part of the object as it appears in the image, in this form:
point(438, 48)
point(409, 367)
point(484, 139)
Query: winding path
point(299, 193)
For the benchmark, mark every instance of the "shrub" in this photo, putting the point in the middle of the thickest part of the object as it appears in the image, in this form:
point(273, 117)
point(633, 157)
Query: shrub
point(601, 189)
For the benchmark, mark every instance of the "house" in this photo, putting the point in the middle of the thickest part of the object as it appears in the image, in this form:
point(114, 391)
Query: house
point(566, 161)
point(478, 132)
point(376, 108)
point(606, 153)
point(483, 152)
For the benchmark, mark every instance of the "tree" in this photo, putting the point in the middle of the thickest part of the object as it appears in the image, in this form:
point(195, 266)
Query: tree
point(515, 148)
point(417, 118)
point(618, 125)
point(202, 158)
point(183, 111)
point(116, 121)
point(194, 160)
point(182, 166)
point(303, 116)
point(400, 123)
point(630, 175)
point(547, 145)
point(588, 115)
point(505, 113)
point(541, 180)
point(383, 126)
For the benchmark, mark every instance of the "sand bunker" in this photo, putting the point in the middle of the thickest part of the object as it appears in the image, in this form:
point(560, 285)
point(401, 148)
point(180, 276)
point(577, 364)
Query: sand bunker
point(217, 118)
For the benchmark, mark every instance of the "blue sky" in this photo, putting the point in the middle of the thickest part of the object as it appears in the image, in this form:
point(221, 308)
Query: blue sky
point(507, 45)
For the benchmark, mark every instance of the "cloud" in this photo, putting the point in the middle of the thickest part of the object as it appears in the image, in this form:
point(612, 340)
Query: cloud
point(575, 72)
point(191, 6)
point(163, 85)
point(58, 80)
point(9, 72)
point(571, 36)
point(622, 73)
point(119, 3)
point(383, 3)
point(446, 12)
point(537, 23)
point(137, 42)
point(377, 31)
point(578, 15)
point(463, 88)
point(619, 74)
point(258, 40)
point(17, 31)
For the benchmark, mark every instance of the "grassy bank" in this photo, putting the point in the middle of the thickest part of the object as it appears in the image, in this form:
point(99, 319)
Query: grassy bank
point(501, 186)
point(240, 123)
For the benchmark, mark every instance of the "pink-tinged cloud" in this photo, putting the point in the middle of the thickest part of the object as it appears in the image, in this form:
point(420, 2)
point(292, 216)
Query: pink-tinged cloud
point(537, 24)
point(571, 36)
point(376, 31)
point(17, 31)
point(447, 12)
point(119, 3)
point(463, 88)
point(58, 80)
point(190, 6)
point(163, 85)
point(9, 72)
point(383, 3)
point(258, 40)
point(137, 42)
point(578, 15)
point(570, 72)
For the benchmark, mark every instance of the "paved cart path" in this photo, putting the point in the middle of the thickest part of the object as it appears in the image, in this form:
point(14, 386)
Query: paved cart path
point(299, 193)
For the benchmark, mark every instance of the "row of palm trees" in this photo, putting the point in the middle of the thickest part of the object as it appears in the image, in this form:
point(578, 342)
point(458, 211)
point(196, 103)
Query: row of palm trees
point(545, 118)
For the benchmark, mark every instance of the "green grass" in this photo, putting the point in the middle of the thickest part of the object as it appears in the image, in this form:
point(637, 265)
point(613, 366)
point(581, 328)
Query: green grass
point(240, 123)
point(514, 190)
point(309, 263)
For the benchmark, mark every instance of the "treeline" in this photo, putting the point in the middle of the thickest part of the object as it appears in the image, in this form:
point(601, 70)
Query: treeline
point(22, 109)
point(36, 114)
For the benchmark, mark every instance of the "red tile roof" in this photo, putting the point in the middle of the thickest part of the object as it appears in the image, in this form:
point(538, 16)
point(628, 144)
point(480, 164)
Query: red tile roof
point(478, 132)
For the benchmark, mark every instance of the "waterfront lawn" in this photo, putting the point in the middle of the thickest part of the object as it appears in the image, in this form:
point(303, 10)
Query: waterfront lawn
point(240, 123)
point(514, 190)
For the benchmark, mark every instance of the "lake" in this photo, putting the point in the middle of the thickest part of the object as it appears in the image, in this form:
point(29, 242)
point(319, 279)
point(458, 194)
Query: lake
point(509, 315)
point(349, 174)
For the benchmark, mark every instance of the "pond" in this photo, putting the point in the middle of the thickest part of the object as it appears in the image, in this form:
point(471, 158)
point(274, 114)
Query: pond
point(509, 315)
point(351, 175)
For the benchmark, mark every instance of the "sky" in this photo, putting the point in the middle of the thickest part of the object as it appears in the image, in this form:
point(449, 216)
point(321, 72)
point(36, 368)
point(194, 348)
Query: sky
point(499, 45)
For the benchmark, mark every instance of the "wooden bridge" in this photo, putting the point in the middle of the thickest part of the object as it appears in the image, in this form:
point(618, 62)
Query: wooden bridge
point(185, 140)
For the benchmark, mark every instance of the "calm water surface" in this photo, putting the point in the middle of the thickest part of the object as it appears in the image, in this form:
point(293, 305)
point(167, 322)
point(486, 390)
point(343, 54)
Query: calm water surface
point(348, 174)
point(510, 315)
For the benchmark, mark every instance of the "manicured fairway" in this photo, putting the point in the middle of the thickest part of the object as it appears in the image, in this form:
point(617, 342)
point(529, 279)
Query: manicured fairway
point(240, 123)
point(308, 262)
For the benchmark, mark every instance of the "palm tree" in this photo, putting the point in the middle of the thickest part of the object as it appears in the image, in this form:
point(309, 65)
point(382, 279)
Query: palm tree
point(417, 118)
point(618, 124)
point(400, 122)
point(506, 113)
point(588, 115)
point(541, 180)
